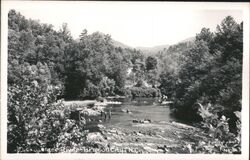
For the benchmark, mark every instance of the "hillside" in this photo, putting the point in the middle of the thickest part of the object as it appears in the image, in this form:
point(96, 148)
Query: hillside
point(120, 44)
point(155, 49)
point(190, 39)
point(152, 50)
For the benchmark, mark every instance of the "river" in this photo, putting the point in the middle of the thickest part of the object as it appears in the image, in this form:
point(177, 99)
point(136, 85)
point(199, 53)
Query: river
point(122, 115)
point(140, 125)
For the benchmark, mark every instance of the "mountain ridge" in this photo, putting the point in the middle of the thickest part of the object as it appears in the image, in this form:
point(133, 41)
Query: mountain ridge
point(150, 50)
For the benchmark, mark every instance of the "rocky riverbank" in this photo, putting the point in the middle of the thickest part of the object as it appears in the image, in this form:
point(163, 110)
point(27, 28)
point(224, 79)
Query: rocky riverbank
point(165, 137)
point(144, 136)
point(87, 107)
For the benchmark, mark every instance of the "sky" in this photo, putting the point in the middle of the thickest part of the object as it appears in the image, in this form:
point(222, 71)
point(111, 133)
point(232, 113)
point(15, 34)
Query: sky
point(134, 24)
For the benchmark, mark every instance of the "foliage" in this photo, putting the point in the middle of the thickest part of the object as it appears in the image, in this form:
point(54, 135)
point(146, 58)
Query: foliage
point(91, 59)
point(209, 70)
point(144, 92)
point(28, 103)
point(44, 64)
point(31, 42)
point(35, 122)
point(220, 140)
point(168, 84)
point(72, 63)
point(205, 35)
point(170, 59)
point(151, 63)
point(44, 128)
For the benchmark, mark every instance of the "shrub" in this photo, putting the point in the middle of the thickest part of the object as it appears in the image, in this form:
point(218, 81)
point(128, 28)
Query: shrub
point(220, 140)
point(144, 92)
point(127, 93)
point(34, 125)
point(90, 92)
point(28, 107)
point(35, 121)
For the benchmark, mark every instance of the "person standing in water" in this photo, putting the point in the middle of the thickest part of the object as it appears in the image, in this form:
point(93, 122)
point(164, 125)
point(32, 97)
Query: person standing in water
point(109, 113)
point(105, 116)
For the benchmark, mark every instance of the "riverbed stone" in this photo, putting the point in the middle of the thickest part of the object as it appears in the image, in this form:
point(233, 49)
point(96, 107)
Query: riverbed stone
point(150, 150)
point(139, 134)
point(146, 122)
point(95, 137)
point(135, 121)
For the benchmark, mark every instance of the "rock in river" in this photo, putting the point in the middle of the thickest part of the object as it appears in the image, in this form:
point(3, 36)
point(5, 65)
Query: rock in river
point(146, 121)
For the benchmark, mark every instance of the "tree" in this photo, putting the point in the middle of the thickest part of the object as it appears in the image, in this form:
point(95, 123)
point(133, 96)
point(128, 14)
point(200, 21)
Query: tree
point(188, 90)
point(231, 33)
point(205, 35)
point(65, 33)
point(210, 72)
point(168, 82)
point(151, 63)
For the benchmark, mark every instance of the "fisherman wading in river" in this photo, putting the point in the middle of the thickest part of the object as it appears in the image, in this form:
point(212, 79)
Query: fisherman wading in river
point(109, 114)
point(106, 115)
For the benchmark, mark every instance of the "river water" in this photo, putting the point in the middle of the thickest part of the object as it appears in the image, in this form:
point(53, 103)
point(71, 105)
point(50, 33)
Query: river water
point(122, 115)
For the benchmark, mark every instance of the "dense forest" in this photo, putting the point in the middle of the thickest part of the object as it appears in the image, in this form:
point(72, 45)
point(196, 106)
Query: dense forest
point(202, 77)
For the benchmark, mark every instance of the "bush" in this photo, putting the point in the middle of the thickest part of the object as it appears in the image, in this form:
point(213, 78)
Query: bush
point(28, 107)
point(220, 140)
point(91, 92)
point(37, 125)
point(127, 93)
point(144, 92)
point(35, 121)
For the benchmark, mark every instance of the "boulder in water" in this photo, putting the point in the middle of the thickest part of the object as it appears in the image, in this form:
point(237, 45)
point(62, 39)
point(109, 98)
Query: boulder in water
point(135, 121)
point(126, 110)
point(100, 126)
point(146, 121)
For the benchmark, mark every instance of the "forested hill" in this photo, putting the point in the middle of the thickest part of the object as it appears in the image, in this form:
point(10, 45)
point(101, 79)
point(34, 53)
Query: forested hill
point(120, 44)
point(153, 50)
point(90, 67)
